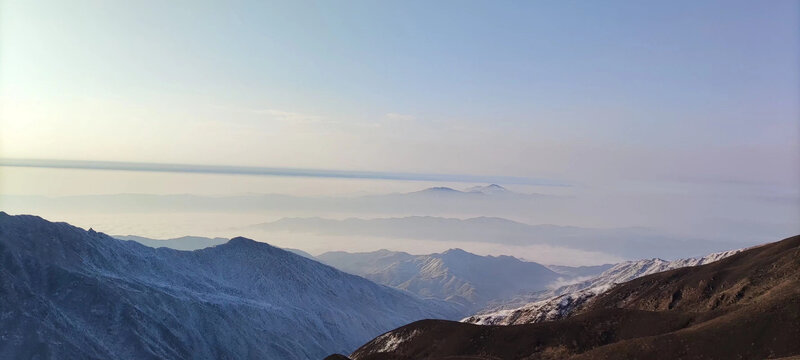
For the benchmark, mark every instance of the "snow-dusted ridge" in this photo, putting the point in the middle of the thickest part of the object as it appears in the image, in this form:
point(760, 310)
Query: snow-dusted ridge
point(76, 294)
point(561, 302)
point(455, 275)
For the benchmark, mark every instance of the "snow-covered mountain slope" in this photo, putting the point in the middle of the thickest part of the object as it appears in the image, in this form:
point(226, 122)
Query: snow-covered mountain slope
point(744, 306)
point(561, 302)
point(455, 275)
point(74, 294)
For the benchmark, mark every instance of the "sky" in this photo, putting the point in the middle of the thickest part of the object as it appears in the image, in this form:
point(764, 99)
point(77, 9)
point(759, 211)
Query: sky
point(698, 90)
point(684, 101)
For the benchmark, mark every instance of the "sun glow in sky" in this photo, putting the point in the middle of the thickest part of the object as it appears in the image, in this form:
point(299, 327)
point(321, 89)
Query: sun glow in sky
point(678, 114)
point(672, 90)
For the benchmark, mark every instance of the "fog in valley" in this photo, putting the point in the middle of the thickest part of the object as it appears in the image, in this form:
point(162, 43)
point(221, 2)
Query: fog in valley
point(568, 224)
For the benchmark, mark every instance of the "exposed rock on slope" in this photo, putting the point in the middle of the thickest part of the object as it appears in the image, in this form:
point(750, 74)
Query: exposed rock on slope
point(744, 306)
point(561, 302)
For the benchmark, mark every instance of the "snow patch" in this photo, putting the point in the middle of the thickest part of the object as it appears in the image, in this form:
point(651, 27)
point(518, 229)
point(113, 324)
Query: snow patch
point(391, 341)
point(561, 302)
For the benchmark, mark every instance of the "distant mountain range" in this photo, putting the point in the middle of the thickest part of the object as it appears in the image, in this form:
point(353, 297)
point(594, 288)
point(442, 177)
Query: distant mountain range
point(181, 243)
point(631, 243)
point(454, 275)
point(561, 302)
point(695, 233)
point(468, 280)
point(490, 199)
point(492, 189)
point(746, 305)
point(580, 271)
point(74, 294)
point(191, 243)
point(486, 190)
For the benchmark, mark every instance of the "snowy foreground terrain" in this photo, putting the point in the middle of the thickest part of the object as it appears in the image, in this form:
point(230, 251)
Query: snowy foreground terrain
point(68, 293)
point(559, 303)
point(743, 306)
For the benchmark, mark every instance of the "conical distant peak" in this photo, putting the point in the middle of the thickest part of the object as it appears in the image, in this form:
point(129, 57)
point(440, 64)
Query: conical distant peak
point(488, 189)
point(241, 241)
point(456, 251)
point(442, 189)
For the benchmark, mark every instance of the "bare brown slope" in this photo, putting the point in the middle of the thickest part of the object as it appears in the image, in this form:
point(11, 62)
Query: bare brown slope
point(746, 306)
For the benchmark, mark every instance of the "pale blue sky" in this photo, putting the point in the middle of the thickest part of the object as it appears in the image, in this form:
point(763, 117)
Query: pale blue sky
point(677, 115)
point(570, 90)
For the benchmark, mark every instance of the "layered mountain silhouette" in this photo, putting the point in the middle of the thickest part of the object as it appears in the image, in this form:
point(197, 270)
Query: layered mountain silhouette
point(474, 200)
point(67, 293)
point(191, 243)
point(455, 275)
point(744, 306)
point(627, 242)
point(180, 243)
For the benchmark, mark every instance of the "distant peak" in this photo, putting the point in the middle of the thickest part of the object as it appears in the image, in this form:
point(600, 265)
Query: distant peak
point(455, 251)
point(441, 189)
point(241, 241)
point(490, 219)
point(488, 189)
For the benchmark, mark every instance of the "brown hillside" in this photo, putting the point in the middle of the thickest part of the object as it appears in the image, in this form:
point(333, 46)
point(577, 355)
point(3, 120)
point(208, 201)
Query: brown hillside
point(746, 306)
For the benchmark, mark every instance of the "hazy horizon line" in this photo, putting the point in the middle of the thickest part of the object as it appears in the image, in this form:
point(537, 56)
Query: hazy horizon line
point(272, 171)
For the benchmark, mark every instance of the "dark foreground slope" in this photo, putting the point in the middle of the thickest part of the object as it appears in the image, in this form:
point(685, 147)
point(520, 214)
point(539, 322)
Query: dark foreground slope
point(66, 293)
point(746, 306)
